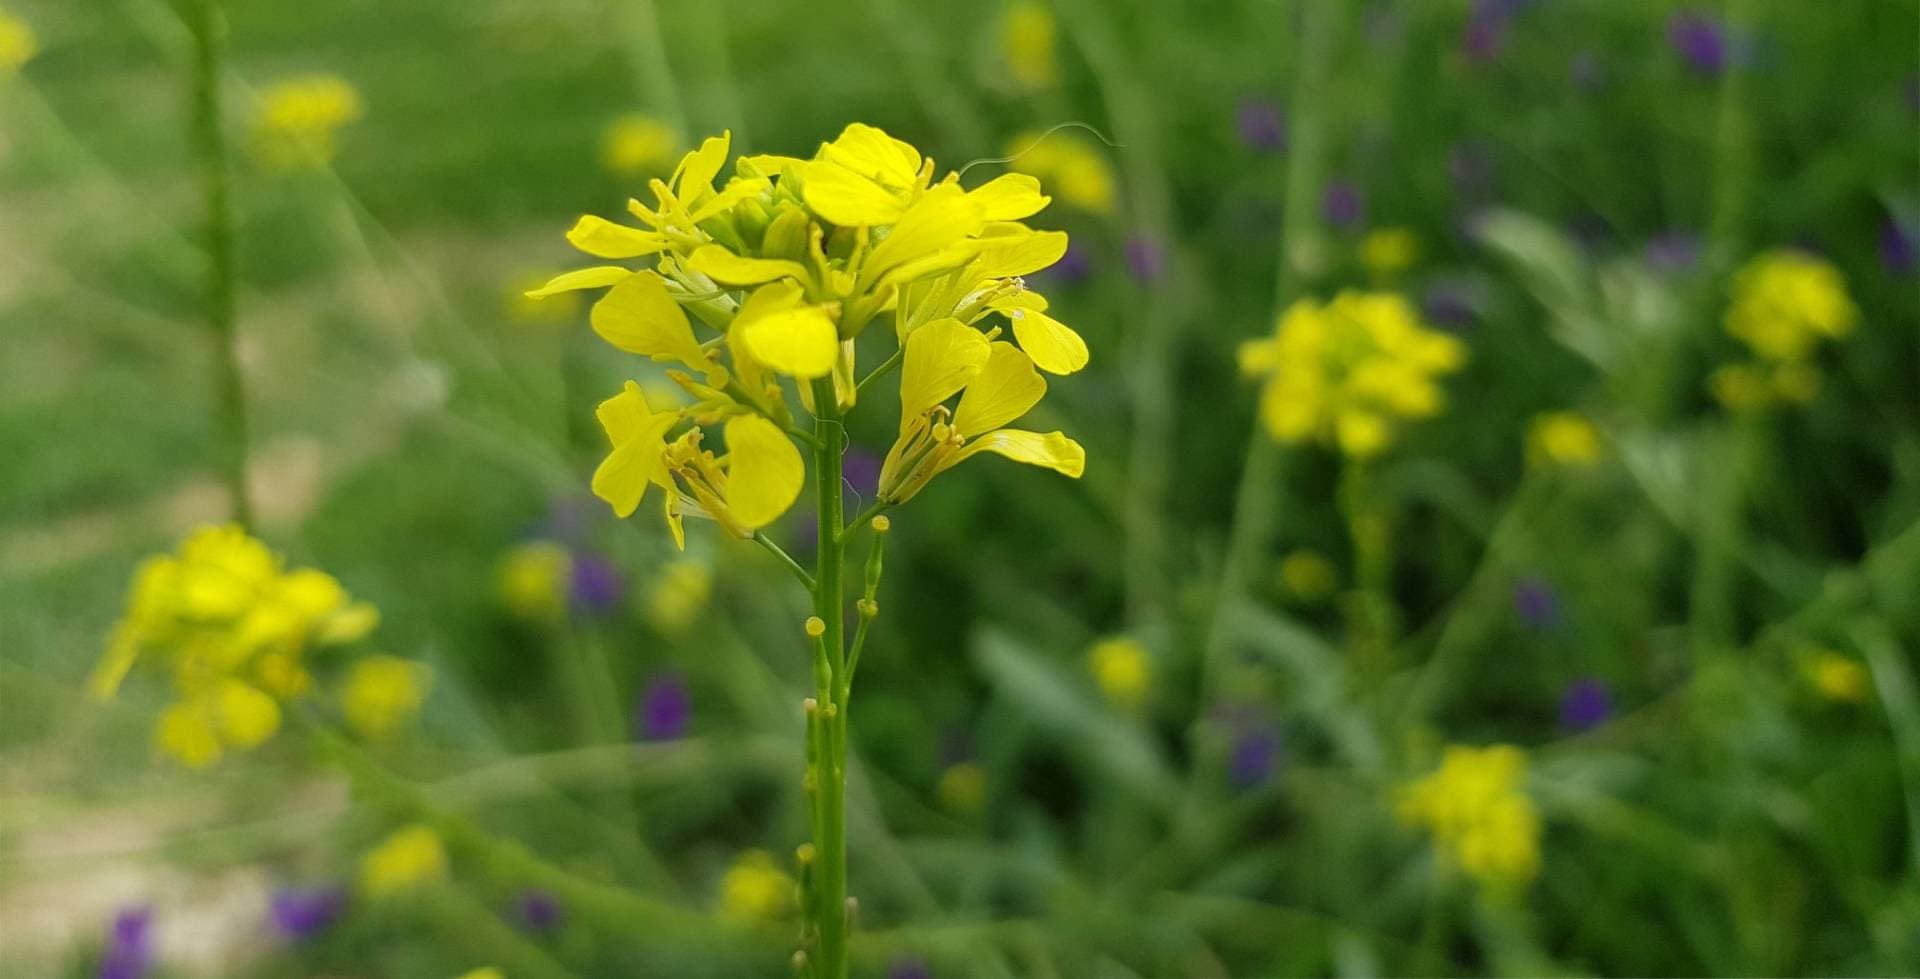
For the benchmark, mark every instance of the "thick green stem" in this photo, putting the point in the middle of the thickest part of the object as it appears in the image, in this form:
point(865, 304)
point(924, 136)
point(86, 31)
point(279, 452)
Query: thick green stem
point(828, 959)
point(210, 145)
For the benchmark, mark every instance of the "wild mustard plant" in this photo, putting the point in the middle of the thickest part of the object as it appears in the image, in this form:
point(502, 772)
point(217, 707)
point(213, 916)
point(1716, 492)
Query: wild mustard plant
point(637, 144)
point(1387, 252)
point(1070, 166)
point(233, 628)
point(767, 280)
point(1027, 42)
point(1784, 304)
point(1563, 438)
point(18, 43)
point(754, 888)
point(1122, 670)
point(411, 857)
point(299, 119)
point(1476, 807)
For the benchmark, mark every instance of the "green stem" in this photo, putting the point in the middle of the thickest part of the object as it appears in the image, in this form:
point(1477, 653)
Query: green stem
point(828, 906)
point(208, 27)
point(1370, 612)
point(864, 518)
point(886, 367)
point(806, 580)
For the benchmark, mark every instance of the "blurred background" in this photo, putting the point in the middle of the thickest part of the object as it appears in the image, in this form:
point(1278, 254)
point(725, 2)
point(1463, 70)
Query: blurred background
point(1607, 667)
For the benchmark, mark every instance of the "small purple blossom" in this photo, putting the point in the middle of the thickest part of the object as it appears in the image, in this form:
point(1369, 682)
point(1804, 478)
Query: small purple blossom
point(664, 709)
point(1146, 259)
point(129, 951)
point(1699, 40)
point(1674, 252)
point(596, 585)
point(909, 968)
point(1585, 705)
point(1262, 126)
point(1343, 205)
point(1484, 36)
point(1897, 250)
point(1450, 304)
point(538, 910)
point(861, 471)
point(1536, 603)
point(1255, 751)
point(1073, 267)
point(303, 912)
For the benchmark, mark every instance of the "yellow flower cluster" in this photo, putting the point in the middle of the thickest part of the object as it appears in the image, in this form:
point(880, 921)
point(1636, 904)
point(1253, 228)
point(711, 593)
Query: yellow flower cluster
point(1070, 165)
point(1122, 670)
point(1346, 371)
point(1785, 302)
point(533, 579)
point(678, 594)
point(18, 44)
point(409, 858)
point(1387, 252)
point(1027, 46)
point(1836, 676)
point(1563, 438)
point(233, 627)
point(637, 144)
point(770, 277)
point(756, 889)
point(299, 118)
point(1475, 805)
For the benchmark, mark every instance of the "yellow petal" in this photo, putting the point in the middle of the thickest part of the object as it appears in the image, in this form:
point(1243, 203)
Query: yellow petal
point(868, 149)
point(602, 238)
point(843, 197)
point(1021, 254)
point(247, 715)
point(800, 342)
point(942, 217)
point(588, 278)
point(638, 448)
point(726, 268)
point(1010, 197)
point(1053, 345)
point(764, 474)
point(624, 415)
point(1006, 388)
point(698, 168)
point(738, 189)
point(1053, 450)
point(639, 316)
point(768, 164)
point(675, 524)
point(941, 357)
point(621, 478)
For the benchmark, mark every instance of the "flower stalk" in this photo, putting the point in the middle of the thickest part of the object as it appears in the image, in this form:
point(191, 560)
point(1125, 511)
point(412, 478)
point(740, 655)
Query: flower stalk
point(827, 770)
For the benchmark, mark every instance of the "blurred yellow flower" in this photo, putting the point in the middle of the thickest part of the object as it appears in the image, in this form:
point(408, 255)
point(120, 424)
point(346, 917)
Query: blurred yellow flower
point(1475, 805)
point(412, 856)
point(1347, 371)
point(1785, 302)
point(1122, 670)
point(963, 788)
point(754, 888)
point(382, 693)
point(1387, 252)
point(1027, 45)
point(1564, 438)
point(300, 117)
point(637, 144)
point(488, 972)
point(18, 44)
point(533, 579)
point(521, 308)
point(677, 595)
point(1307, 575)
point(1836, 676)
point(1076, 171)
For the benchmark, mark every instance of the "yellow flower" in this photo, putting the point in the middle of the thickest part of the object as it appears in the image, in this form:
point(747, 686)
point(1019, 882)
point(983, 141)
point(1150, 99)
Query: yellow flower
point(1387, 252)
point(412, 856)
point(1836, 677)
point(1564, 438)
point(1000, 385)
point(1027, 45)
point(1307, 575)
point(521, 308)
point(18, 44)
point(533, 579)
point(488, 972)
point(756, 889)
point(1785, 302)
point(1077, 172)
point(1476, 807)
point(1345, 373)
point(300, 117)
point(963, 787)
point(1122, 670)
point(678, 595)
point(635, 144)
point(382, 693)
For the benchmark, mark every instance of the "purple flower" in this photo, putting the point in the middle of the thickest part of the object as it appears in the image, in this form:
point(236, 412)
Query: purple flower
point(909, 968)
point(1072, 268)
point(860, 470)
point(1146, 259)
point(596, 585)
point(1343, 205)
point(1699, 40)
point(1896, 246)
point(303, 912)
point(1674, 252)
point(663, 711)
point(1255, 750)
point(1585, 705)
point(1450, 304)
point(129, 952)
point(538, 910)
point(1537, 603)
point(1484, 36)
point(1262, 126)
